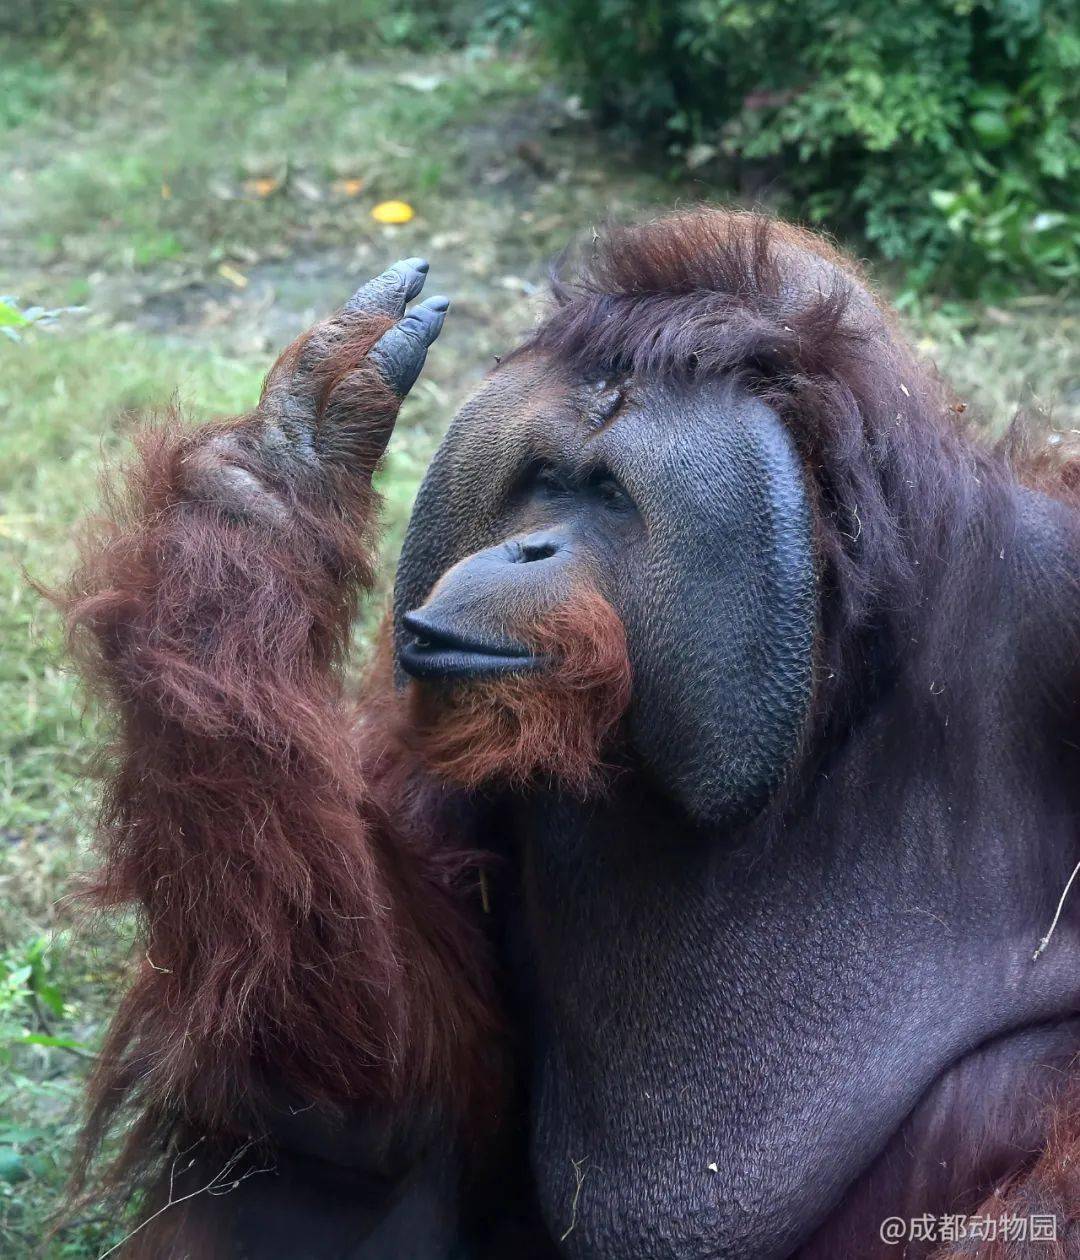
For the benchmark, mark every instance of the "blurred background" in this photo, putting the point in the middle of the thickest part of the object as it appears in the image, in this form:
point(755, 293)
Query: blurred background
point(186, 186)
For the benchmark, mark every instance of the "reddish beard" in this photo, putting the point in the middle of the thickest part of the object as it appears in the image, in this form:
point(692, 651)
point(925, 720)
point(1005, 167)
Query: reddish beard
point(551, 723)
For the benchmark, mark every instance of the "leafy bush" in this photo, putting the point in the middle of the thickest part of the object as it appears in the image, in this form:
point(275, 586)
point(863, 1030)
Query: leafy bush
point(945, 132)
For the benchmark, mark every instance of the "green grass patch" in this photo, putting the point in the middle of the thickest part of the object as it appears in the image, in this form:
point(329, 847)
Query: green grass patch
point(98, 33)
point(215, 160)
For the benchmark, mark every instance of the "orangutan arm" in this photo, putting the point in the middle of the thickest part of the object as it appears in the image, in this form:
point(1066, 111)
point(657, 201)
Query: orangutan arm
point(294, 942)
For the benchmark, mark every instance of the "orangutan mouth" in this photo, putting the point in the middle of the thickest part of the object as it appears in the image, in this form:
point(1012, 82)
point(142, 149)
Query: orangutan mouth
point(436, 653)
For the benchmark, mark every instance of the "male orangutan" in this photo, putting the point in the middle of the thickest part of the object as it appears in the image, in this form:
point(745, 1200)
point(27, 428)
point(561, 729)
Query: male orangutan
point(715, 785)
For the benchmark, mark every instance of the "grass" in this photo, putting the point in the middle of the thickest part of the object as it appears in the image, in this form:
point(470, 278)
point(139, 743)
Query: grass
point(128, 192)
point(252, 154)
point(228, 157)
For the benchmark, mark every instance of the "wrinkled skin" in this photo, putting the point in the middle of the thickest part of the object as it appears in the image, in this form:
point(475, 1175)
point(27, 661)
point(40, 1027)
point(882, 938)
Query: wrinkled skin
point(722, 1046)
point(536, 487)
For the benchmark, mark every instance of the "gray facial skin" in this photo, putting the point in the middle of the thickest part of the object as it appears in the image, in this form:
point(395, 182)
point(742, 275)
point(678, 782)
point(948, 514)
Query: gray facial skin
point(709, 476)
point(732, 1010)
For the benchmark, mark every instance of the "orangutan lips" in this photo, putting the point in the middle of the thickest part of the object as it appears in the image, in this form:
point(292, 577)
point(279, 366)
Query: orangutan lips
point(549, 723)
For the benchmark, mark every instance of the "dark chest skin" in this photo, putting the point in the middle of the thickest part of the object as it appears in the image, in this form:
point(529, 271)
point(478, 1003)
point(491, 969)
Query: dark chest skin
point(730, 1030)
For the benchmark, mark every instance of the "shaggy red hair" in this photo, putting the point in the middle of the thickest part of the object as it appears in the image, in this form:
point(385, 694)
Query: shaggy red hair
point(303, 933)
point(1049, 1187)
point(551, 724)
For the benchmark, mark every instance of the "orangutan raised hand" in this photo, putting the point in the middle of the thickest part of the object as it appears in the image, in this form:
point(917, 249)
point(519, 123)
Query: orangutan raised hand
point(335, 391)
point(328, 406)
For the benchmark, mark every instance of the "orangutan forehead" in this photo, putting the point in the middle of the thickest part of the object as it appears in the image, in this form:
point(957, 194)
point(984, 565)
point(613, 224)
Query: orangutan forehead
point(534, 392)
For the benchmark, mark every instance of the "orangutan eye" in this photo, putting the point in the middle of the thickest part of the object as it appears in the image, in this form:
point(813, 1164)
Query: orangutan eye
point(599, 486)
point(549, 481)
point(610, 493)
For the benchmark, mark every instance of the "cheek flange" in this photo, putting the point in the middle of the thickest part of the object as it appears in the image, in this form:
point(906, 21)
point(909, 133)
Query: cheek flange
point(722, 613)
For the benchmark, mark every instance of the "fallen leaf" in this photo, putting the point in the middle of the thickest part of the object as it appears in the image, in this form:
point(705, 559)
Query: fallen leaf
point(233, 276)
point(11, 316)
point(392, 212)
point(533, 157)
point(515, 284)
point(306, 188)
point(349, 187)
point(262, 186)
point(448, 240)
point(698, 154)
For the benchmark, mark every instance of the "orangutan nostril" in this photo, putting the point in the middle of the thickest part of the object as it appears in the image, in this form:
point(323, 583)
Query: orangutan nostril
point(528, 552)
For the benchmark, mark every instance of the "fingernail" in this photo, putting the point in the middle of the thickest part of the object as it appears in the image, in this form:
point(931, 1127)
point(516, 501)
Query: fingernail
point(436, 303)
point(416, 264)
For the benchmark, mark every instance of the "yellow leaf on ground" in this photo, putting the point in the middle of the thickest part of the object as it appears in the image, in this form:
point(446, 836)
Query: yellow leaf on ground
point(261, 187)
point(392, 212)
point(233, 276)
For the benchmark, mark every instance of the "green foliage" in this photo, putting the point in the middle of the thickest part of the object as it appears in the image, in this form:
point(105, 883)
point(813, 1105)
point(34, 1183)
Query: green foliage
point(29, 995)
point(27, 86)
point(945, 132)
point(38, 1007)
point(14, 321)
